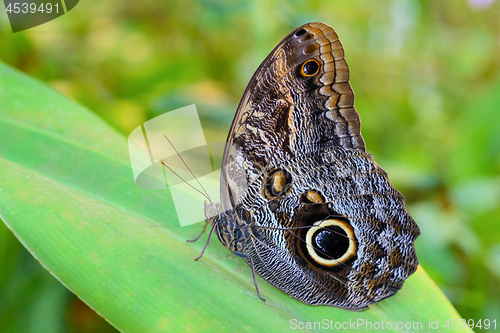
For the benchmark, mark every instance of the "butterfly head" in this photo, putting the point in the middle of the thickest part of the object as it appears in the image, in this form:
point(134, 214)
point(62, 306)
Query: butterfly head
point(227, 228)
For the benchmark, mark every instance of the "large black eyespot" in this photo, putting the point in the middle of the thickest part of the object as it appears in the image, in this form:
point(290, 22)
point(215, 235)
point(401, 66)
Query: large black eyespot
point(331, 242)
point(310, 68)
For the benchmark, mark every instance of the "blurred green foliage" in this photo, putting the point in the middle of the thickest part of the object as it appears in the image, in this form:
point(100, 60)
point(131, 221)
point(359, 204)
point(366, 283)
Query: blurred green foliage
point(427, 81)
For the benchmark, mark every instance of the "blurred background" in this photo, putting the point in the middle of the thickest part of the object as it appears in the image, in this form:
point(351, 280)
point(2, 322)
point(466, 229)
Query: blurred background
point(427, 80)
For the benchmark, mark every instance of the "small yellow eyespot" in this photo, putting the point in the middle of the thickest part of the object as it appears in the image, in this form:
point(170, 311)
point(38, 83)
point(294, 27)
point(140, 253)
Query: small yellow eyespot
point(309, 68)
point(276, 184)
point(314, 197)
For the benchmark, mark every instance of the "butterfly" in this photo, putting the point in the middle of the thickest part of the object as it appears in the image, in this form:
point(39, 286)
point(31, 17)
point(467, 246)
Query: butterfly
point(301, 201)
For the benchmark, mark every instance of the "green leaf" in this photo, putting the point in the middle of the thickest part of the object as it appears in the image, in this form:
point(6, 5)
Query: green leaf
point(68, 194)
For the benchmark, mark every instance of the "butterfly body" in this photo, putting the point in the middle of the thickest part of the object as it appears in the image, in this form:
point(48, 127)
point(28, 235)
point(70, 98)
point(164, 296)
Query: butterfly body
point(301, 201)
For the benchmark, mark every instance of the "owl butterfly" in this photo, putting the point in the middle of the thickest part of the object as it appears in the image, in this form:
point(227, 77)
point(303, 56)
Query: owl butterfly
point(301, 201)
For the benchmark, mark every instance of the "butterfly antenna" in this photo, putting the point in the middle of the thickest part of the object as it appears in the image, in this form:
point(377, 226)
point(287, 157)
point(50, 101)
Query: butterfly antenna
point(204, 194)
point(194, 188)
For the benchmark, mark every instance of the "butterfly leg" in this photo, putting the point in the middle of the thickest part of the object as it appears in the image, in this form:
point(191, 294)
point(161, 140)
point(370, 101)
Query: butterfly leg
point(208, 240)
point(241, 255)
point(201, 233)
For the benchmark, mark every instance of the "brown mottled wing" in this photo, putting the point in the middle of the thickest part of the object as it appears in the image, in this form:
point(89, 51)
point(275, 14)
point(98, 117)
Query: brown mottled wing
point(349, 186)
point(295, 159)
point(283, 114)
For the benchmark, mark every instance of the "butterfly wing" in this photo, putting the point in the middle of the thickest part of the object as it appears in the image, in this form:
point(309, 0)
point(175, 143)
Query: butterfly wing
point(337, 234)
point(326, 225)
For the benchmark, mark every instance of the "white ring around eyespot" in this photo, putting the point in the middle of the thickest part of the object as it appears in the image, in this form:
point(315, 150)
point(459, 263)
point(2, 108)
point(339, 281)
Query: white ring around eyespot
point(351, 250)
